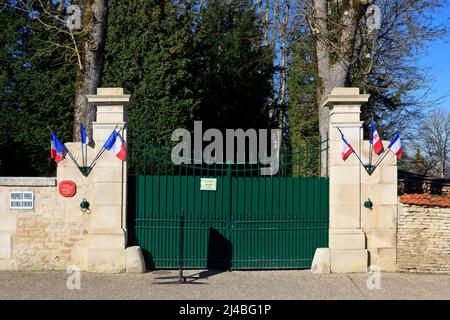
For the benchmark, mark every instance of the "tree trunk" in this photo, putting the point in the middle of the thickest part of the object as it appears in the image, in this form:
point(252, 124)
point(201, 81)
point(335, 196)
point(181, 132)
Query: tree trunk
point(283, 69)
point(283, 72)
point(276, 23)
point(89, 74)
point(266, 23)
point(322, 61)
point(332, 58)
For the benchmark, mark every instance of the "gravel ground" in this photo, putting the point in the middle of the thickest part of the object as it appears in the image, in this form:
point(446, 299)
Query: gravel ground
point(258, 285)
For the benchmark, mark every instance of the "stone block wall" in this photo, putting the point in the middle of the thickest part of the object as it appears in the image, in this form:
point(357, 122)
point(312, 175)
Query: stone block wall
point(423, 237)
point(44, 238)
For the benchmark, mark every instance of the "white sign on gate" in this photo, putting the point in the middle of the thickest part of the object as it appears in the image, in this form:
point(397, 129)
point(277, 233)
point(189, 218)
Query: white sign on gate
point(21, 200)
point(208, 184)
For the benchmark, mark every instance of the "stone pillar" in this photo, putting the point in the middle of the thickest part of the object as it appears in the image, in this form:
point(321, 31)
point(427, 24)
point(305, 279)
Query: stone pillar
point(347, 242)
point(358, 236)
point(107, 235)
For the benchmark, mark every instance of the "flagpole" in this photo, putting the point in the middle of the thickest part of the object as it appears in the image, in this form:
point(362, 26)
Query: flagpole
point(101, 151)
point(97, 156)
point(121, 129)
point(48, 127)
point(382, 157)
point(371, 143)
point(70, 155)
point(67, 150)
point(360, 161)
point(82, 152)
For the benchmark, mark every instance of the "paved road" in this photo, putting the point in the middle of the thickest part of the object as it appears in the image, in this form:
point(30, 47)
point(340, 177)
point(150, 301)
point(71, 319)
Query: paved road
point(299, 284)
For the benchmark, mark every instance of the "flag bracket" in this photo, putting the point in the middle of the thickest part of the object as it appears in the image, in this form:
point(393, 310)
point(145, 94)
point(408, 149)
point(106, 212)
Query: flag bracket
point(85, 170)
point(370, 168)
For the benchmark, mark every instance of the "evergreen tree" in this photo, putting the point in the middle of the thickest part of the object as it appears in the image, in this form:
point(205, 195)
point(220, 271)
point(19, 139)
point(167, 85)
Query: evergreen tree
point(302, 92)
point(36, 93)
point(149, 52)
point(418, 164)
point(233, 71)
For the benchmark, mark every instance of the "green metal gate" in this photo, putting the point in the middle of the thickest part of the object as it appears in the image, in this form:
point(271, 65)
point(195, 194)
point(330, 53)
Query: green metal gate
point(249, 221)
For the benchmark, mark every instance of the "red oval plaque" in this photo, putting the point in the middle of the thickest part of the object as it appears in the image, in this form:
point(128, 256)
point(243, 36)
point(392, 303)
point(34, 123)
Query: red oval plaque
point(67, 188)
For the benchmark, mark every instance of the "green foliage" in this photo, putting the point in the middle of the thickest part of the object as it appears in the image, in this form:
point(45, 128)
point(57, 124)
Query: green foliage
point(36, 92)
point(418, 164)
point(233, 70)
point(303, 111)
point(181, 64)
point(149, 52)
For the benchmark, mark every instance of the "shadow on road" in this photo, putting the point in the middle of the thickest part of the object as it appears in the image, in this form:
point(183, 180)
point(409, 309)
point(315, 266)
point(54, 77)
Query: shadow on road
point(190, 279)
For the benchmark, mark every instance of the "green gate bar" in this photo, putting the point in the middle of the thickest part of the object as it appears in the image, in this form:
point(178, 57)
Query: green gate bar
point(249, 222)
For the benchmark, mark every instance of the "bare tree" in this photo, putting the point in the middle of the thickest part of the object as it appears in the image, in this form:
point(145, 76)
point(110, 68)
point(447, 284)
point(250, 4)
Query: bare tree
point(383, 61)
point(84, 47)
point(265, 19)
point(283, 118)
point(283, 51)
point(275, 16)
point(433, 139)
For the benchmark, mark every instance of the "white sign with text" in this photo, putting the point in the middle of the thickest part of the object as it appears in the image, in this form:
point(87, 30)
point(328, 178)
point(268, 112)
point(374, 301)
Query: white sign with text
point(208, 184)
point(21, 200)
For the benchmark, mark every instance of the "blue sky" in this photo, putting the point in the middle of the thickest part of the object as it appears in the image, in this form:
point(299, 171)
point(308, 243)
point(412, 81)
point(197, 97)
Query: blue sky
point(438, 59)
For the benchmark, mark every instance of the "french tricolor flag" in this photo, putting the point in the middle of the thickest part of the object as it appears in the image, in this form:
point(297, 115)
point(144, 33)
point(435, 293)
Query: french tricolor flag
point(84, 136)
point(395, 146)
point(375, 140)
point(347, 149)
point(116, 146)
point(56, 148)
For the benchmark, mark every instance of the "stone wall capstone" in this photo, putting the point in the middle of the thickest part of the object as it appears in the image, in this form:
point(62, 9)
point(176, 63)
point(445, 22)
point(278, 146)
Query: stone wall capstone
point(38, 239)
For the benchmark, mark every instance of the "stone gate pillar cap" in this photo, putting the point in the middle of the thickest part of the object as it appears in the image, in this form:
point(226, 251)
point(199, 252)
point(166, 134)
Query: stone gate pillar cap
point(112, 91)
point(344, 96)
point(110, 96)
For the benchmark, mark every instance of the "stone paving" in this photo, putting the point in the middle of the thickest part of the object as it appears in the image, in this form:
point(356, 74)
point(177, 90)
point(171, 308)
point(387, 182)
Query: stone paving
point(258, 285)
